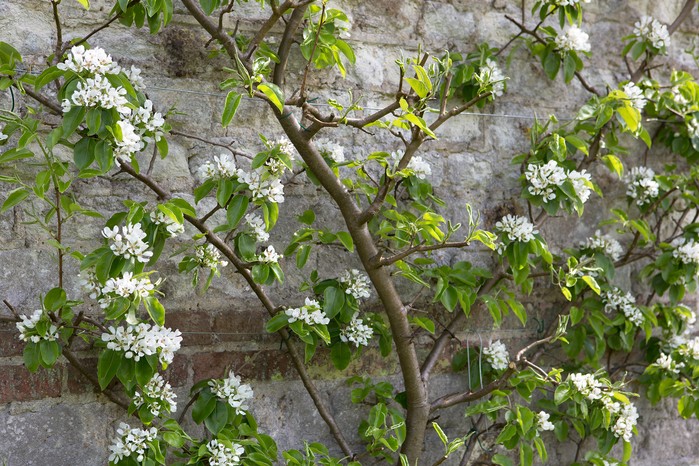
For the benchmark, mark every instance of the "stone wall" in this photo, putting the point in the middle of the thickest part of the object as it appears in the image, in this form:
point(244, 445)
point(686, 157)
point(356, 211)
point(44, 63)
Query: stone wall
point(54, 417)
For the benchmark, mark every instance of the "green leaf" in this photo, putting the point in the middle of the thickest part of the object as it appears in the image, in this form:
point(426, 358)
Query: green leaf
point(84, 3)
point(346, 240)
point(49, 74)
point(274, 94)
point(440, 433)
point(72, 120)
point(224, 191)
point(107, 366)
point(592, 283)
point(449, 298)
point(218, 418)
point(260, 273)
point(32, 356)
point(502, 460)
point(340, 354)
point(155, 309)
point(236, 209)
point(50, 350)
point(83, 153)
point(205, 404)
point(423, 322)
point(144, 371)
point(333, 301)
point(231, 106)
point(15, 154)
point(277, 322)
point(308, 217)
point(55, 299)
point(614, 164)
point(13, 198)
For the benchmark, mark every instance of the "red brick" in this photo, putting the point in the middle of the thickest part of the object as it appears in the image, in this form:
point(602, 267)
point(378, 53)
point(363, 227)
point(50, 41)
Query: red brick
point(10, 344)
point(194, 325)
point(78, 383)
point(250, 365)
point(177, 373)
point(241, 325)
point(18, 384)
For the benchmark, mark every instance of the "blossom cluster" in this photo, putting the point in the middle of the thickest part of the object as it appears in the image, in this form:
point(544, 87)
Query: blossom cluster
point(221, 455)
point(653, 32)
point(497, 356)
point(310, 313)
point(30, 331)
point(490, 74)
point(573, 39)
point(357, 332)
point(666, 363)
point(544, 178)
point(331, 149)
point(690, 348)
point(233, 392)
point(616, 300)
point(567, 2)
point(96, 90)
point(269, 256)
point(686, 251)
point(129, 441)
point(129, 243)
point(125, 286)
point(357, 284)
point(641, 185)
point(635, 96)
point(264, 182)
point(516, 228)
point(257, 225)
point(209, 256)
point(542, 421)
point(171, 226)
point(285, 146)
point(416, 165)
point(158, 396)
point(592, 389)
point(137, 341)
point(604, 244)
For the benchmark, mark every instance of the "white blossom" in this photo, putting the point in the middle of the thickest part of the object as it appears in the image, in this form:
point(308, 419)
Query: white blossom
point(692, 128)
point(29, 332)
point(257, 225)
point(89, 284)
point(331, 149)
point(641, 185)
point(604, 244)
point(623, 428)
point(580, 180)
point(542, 179)
point(635, 96)
point(130, 142)
point(137, 341)
point(567, 2)
point(652, 31)
point(222, 167)
point(587, 385)
point(490, 74)
point(419, 167)
point(125, 286)
point(573, 39)
point(134, 76)
point(285, 146)
point(357, 332)
point(668, 364)
point(233, 392)
point(497, 356)
point(129, 441)
point(310, 313)
point(686, 251)
point(129, 243)
point(158, 396)
point(262, 185)
point(172, 227)
point(3, 136)
point(221, 455)
point(516, 228)
point(98, 92)
point(209, 256)
point(269, 256)
point(542, 420)
point(690, 348)
point(95, 61)
point(686, 314)
point(148, 121)
point(357, 283)
point(616, 300)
